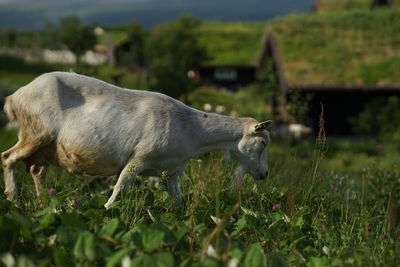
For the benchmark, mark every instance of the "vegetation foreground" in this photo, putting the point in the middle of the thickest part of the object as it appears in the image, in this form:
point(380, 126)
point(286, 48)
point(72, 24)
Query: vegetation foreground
point(304, 214)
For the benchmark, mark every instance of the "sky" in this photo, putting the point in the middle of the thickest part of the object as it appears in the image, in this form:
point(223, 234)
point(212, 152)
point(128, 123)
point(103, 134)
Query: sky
point(27, 14)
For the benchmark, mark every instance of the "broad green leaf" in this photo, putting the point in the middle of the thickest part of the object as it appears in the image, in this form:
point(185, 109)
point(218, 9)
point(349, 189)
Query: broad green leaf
point(142, 260)
point(85, 247)
point(46, 221)
point(25, 224)
point(199, 228)
point(186, 262)
point(236, 253)
point(116, 258)
point(300, 221)
point(61, 258)
point(277, 259)
point(42, 212)
point(149, 238)
point(318, 262)
point(90, 246)
point(73, 220)
point(168, 217)
point(9, 231)
point(254, 256)
point(68, 235)
point(163, 259)
point(181, 231)
point(110, 227)
point(169, 236)
point(96, 202)
point(79, 248)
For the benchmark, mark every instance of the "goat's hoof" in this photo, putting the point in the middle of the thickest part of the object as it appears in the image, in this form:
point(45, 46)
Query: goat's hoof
point(10, 196)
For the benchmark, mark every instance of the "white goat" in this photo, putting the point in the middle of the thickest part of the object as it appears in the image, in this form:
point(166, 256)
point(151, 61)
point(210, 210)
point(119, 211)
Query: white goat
point(91, 127)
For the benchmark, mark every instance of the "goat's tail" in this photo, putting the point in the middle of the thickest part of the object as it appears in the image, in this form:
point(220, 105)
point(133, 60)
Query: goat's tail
point(9, 109)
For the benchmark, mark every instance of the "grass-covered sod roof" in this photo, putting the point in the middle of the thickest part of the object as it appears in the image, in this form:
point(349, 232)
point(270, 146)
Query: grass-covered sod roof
point(337, 5)
point(341, 48)
point(233, 43)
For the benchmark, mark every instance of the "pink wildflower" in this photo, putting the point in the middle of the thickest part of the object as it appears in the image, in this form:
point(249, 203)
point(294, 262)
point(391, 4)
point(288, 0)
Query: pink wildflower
point(51, 191)
point(77, 203)
point(276, 206)
point(369, 228)
point(107, 180)
point(250, 198)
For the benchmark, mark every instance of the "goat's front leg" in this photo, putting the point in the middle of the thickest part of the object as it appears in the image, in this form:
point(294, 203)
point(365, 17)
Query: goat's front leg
point(238, 179)
point(173, 190)
point(125, 178)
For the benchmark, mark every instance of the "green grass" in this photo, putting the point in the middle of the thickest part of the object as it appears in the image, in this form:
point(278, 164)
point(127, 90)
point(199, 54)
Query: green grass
point(328, 216)
point(245, 103)
point(15, 72)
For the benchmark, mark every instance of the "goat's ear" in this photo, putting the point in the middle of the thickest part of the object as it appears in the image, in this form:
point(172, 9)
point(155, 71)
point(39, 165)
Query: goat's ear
point(262, 126)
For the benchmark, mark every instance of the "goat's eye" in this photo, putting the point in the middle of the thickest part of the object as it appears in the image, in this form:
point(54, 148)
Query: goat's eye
point(263, 143)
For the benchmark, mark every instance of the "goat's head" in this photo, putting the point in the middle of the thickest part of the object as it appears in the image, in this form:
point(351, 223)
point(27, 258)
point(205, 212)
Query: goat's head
point(252, 150)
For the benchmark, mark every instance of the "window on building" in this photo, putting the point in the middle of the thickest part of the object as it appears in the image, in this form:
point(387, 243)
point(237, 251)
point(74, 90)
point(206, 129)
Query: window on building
point(225, 74)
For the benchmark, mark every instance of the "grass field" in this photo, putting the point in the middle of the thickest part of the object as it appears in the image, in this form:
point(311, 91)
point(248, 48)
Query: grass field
point(328, 203)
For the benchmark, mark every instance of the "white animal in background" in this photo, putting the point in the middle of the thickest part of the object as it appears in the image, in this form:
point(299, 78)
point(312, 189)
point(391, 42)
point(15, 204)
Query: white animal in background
point(294, 130)
point(91, 127)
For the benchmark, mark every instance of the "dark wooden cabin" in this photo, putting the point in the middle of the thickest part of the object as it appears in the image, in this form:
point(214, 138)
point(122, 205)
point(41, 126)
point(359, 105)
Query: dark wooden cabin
point(339, 103)
point(227, 76)
point(381, 3)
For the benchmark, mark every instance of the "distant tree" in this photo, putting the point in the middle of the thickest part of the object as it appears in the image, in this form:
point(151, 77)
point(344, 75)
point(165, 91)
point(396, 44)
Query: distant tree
point(137, 37)
point(174, 49)
point(77, 36)
point(8, 37)
point(50, 36)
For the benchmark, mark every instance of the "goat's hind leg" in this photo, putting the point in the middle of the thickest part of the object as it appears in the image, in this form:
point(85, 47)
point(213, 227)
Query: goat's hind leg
point(9, 159)
point(125, 178)
point(38, 172)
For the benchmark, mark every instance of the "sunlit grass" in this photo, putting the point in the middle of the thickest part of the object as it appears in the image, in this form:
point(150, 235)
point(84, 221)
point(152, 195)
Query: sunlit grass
point(341, 215)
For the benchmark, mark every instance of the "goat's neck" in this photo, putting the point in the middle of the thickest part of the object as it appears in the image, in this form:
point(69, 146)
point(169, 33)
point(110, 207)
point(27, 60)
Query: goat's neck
point(218, 132)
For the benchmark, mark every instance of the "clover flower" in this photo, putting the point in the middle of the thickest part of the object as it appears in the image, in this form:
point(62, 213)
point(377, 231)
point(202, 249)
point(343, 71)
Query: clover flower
point(51, 191)
point(276, 206)
point(76, 203)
